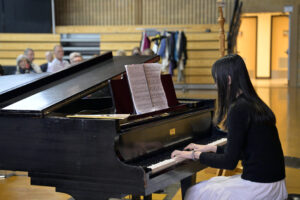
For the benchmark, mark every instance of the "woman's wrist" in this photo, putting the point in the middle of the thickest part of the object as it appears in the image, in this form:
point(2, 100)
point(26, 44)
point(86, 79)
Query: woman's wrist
point(214, 149)
point(195, 155)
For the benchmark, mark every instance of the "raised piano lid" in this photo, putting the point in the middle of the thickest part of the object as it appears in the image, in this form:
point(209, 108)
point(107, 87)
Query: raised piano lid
point(52, 91)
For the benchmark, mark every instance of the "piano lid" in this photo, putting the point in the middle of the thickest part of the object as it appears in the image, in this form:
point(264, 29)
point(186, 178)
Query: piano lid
point(55, 90)
point(10, 82)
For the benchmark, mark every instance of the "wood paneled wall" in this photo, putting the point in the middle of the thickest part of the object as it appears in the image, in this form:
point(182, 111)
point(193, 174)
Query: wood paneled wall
point(202, 47)
point(138, 12)
point(12, 45)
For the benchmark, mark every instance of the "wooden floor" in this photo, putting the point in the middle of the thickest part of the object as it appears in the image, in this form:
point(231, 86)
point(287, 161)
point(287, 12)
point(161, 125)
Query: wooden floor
point(284, 101)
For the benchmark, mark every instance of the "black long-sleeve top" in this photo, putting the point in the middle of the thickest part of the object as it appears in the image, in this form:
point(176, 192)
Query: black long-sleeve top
point(256, 144)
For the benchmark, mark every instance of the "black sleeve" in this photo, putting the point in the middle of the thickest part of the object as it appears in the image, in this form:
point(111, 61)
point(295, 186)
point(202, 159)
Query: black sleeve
point(220, 149)
point(238, 120)
point(217, 133)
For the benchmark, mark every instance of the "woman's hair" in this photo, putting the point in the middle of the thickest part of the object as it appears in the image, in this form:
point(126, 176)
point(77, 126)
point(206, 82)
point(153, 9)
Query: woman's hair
point(233, 66)
point(20, 58)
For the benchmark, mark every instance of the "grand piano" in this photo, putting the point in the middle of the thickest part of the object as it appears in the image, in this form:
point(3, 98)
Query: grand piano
point(95, 159)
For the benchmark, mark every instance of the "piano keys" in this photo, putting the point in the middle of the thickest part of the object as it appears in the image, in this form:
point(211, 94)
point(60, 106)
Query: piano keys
point(165, 164)
point(97, 158)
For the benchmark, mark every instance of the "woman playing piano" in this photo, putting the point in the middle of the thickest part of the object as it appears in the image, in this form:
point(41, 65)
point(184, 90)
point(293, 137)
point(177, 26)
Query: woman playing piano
point(252, 138)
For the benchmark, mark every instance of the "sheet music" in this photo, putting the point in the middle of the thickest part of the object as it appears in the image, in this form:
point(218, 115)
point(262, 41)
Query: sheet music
point(156, 90)
point(139, 88)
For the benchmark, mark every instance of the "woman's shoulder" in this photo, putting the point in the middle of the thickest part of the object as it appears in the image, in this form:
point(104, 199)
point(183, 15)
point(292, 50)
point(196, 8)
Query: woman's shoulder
point(240, 112)
point(241, 104)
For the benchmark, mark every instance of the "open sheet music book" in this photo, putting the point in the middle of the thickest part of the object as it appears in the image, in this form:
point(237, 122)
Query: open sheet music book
point(146, 88)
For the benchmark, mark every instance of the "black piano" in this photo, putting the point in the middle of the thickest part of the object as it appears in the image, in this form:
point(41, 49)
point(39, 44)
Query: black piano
point(94, 159)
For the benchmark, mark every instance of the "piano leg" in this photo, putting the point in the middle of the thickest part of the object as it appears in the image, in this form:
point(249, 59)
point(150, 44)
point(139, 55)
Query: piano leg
point(186, 183)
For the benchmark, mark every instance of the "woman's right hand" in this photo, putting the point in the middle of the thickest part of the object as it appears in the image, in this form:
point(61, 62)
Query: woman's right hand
point(201, 148)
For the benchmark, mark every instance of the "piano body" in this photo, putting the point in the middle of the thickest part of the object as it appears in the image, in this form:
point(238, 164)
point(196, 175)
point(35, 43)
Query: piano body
point(93, 159)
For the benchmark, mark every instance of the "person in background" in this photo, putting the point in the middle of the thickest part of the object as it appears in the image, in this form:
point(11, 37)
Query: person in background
point(147, 52)
point(120, 53)
point(49, 58)
point(75, 58)
point(29, 53)
point(1, 71)
point(23, 65)
point(136, 51)
point(252, 137)
point(58, 63)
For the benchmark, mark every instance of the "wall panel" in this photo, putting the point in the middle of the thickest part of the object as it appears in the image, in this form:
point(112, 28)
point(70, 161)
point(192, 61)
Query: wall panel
point(134, 12)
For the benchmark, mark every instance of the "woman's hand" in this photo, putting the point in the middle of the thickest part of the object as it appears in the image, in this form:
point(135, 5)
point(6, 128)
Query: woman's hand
point(182, 154)
point(201, 148)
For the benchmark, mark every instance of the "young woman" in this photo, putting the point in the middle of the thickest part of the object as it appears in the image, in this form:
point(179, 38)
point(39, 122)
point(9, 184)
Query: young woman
point(252, 138)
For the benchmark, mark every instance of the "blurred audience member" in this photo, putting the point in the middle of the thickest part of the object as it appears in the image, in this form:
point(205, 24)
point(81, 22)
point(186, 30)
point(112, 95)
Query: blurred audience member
point(29, 53)
point(148, 52)
point(75, 58)
point(58, 63)
point(120, 53)
point(23, 65)
point(49, 58)
point(1, 71)
point(136, 51)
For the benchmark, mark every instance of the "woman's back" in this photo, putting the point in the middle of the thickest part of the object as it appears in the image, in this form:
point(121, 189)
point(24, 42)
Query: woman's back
point(261, 151)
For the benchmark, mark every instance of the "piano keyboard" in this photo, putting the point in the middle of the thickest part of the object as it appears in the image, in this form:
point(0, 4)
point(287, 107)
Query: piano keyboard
point(174, 161)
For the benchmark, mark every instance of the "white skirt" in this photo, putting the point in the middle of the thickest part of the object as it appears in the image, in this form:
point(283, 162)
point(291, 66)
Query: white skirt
point(236, 188)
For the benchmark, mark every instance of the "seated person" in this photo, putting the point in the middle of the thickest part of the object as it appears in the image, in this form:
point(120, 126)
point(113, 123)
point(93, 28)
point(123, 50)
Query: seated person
point(148, 52)
point(29, 53)
point(252, 136)
point(23, 65)
point(75, 58)
point(120, 53)
point(1, 71)
point(49, 58)
point(58, 63)
point(136, 51)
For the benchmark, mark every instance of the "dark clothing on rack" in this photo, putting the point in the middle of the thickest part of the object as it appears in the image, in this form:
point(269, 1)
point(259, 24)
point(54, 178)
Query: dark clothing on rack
point(145, 43)
point(182, 48)
point(256, 143)
point(171, 48)
point(162, 46)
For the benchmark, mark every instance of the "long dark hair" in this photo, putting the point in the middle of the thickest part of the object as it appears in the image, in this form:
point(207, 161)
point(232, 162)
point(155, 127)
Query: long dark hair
point(233, 66)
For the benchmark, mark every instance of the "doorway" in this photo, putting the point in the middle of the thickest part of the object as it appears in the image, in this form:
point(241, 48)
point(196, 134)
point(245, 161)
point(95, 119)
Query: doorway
point(247, 43)
point(279, 47)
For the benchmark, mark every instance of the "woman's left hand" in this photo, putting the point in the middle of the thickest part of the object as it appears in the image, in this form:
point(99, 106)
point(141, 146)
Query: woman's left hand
point(182, 154)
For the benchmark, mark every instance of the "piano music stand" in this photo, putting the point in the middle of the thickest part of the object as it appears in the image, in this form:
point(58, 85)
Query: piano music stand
point(122, 99)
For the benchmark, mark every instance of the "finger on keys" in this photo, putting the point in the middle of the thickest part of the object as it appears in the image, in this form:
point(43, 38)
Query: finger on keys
point(174, 153)
point(189, 147)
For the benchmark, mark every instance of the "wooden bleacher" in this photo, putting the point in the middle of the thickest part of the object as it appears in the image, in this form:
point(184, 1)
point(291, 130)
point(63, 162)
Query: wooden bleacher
point(12, 45)
point(203, 47)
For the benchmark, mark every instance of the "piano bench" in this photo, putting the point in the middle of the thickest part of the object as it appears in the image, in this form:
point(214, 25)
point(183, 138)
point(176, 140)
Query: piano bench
point(293, 197)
